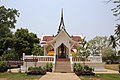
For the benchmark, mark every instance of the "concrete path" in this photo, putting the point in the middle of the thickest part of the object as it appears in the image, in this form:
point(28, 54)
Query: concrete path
point(108, 72)
point(60, 76)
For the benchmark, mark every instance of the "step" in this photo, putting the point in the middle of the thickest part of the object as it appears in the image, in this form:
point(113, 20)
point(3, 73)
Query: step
point(62, 62)
point(63, 66)
point(62, 59)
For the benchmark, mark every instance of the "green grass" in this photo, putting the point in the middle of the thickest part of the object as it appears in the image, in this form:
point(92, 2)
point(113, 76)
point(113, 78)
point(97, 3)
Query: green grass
point(18, 76)
point(112, 66)
point(101, 77)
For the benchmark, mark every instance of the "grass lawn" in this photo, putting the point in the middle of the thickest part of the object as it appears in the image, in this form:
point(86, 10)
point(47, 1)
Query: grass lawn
point(112, 66)
point(18, 76)
point(101, 77)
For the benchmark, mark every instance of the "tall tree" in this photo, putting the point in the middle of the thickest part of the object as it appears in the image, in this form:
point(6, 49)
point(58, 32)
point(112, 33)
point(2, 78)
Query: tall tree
point(24, 41)
point(115, 39)
point(7, 22)
point(38, 50)
point(97, 44)
point(83, 51)
point(116, 9)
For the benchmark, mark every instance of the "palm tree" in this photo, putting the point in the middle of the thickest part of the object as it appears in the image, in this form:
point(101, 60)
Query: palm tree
point(113, 42)
point(117, 32)
point(115, 39)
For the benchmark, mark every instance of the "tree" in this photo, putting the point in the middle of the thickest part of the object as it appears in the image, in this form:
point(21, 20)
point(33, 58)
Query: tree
point(7, 22)
point(24, 41)
point(97, 44)
point(84, 51)
point(106, 53)
point(116, 9)
point(115, 39)
point(37, 50)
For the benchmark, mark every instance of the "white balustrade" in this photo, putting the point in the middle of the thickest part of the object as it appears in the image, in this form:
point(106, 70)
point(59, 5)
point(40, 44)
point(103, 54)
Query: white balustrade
point(39, 58)
point(89, 59)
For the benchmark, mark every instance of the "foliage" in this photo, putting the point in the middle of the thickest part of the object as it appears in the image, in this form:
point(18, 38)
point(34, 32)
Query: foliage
point(24, 41)
point(48, 67)
point(87, 68)
point(112, 59)
point(106, 52)
point(113, 42)
point(83, 51)
point(82, 70)
point(37, 50)
point(97, 44)
point(115, 39)
point(3, 66)
point(116, 9)
point(36, 71)
point(78, 67)
point(10, 55)
point(7, 20)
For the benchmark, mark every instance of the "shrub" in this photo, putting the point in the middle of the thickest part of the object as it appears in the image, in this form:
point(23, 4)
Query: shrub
point(88, 69)
point(48, 67)
point(80, 70)
point(3, 66)
point(36, 71)
point(10, 55)
point(78, 67)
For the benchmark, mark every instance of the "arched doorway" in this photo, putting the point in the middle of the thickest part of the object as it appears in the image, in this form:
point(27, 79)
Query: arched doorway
point(62, 51)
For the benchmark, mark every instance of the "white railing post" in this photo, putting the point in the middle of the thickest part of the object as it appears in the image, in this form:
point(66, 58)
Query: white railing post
point(23, 56)
point(71, 62)
point(54, 62)
point(100, 57)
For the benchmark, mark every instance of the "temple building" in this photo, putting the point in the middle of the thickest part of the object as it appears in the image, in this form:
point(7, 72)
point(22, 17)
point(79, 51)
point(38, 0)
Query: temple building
point(62, 44)
point(59, 50)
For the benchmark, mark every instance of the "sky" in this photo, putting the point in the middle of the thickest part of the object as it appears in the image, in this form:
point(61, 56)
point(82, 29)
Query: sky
point(88, 18)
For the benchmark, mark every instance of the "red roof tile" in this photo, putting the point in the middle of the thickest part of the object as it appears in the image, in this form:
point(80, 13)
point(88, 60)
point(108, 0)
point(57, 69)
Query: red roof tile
point(76, 38)
point(47, 38)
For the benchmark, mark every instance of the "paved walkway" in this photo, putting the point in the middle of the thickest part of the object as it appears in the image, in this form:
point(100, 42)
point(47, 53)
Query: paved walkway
point(60, 76)
point(108, 72)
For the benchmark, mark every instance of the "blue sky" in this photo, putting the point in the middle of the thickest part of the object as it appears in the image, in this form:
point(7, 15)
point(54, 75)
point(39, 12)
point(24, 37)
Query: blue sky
point(89, 18)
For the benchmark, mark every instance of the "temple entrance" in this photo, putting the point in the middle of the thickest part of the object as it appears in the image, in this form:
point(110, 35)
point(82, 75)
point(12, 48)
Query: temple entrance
point(62, 51)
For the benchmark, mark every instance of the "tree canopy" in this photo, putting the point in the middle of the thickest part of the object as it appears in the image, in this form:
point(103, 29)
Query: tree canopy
point(97, 44)
point(20, 41)
point(7, 20)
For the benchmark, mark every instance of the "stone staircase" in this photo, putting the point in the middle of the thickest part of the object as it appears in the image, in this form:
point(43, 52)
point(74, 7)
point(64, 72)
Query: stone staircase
point(63, 66)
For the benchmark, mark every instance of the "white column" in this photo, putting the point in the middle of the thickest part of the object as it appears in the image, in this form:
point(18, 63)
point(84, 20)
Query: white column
point(69, 51)
point(54, 51)
point(44, 50)
point(54, 59)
